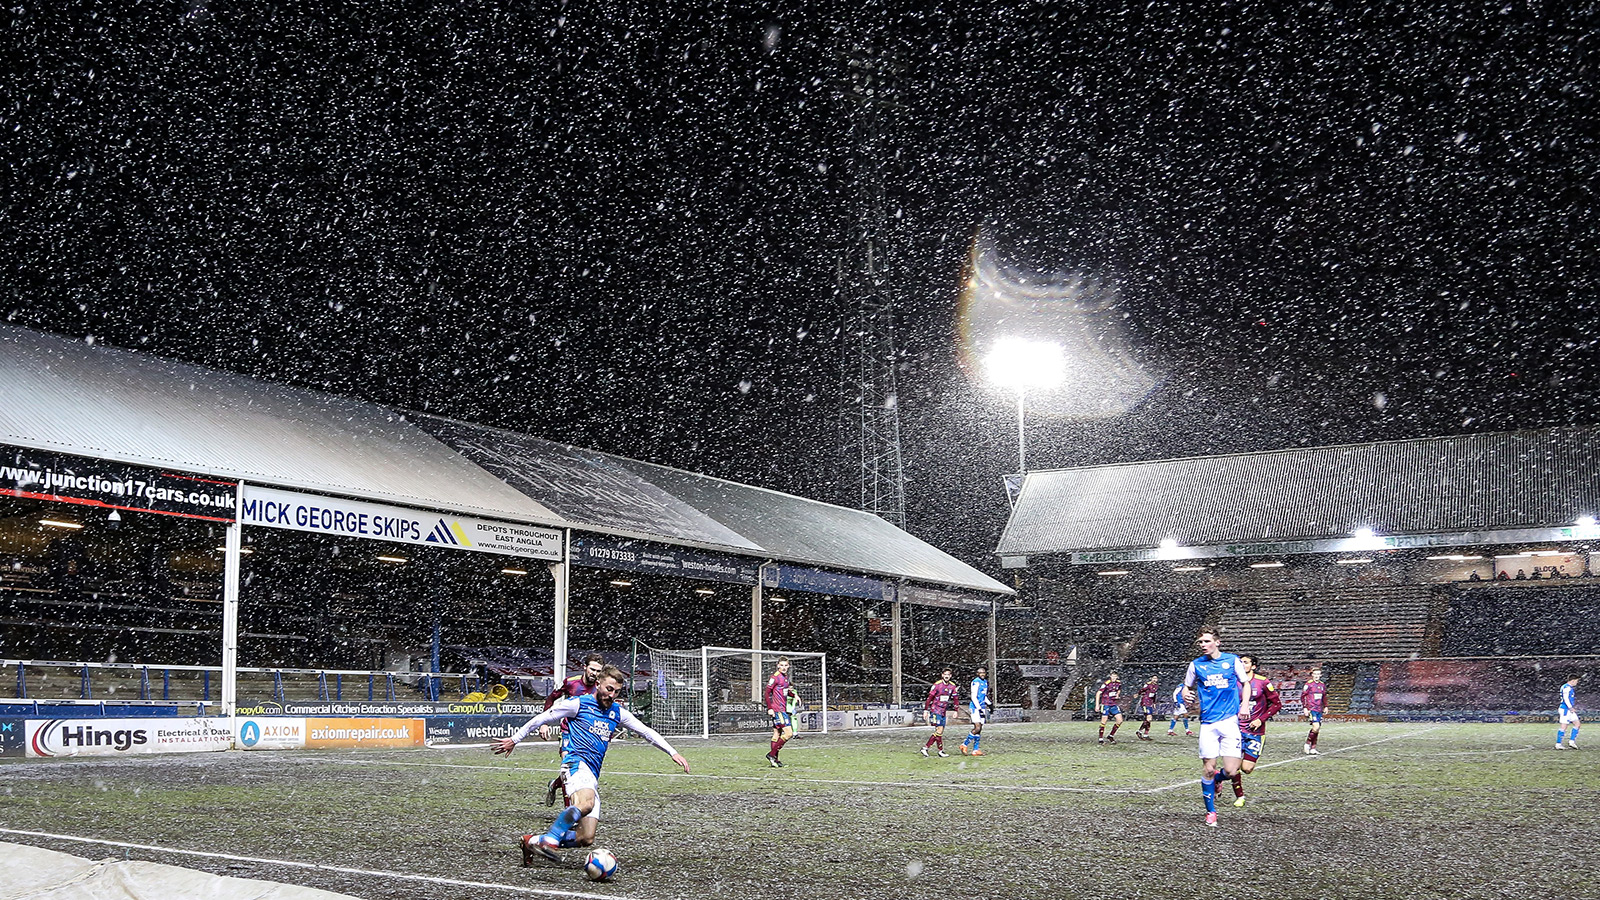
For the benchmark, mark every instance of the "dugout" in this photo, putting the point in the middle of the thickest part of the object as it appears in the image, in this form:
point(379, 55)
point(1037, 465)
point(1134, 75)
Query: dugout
point(1402, 567)
point(242, 525)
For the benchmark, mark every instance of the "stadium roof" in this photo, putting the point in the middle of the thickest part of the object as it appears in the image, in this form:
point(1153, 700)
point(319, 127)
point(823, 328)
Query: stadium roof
point(63, 395)
point(1479, 488)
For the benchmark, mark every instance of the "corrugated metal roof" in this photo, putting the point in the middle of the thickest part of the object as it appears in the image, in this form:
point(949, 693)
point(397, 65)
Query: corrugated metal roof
point(58, 394)
point(616, 495)
point(1525, 479)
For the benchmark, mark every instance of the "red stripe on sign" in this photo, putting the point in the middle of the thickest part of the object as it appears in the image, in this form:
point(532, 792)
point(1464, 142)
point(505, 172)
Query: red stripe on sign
point(80, 501)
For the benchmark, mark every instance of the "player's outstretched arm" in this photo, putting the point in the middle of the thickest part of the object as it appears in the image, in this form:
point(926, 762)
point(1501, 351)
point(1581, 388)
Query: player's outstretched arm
point(565, 709)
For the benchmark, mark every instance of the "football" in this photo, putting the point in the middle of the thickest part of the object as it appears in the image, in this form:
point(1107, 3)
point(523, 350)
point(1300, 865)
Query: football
point(600, 866)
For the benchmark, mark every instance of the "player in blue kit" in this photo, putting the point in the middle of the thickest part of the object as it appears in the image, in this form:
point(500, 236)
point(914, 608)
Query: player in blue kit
point(1217, 681)
point(595, 719)
point(1180, 710)
point(1567, 713)
point(978, 711)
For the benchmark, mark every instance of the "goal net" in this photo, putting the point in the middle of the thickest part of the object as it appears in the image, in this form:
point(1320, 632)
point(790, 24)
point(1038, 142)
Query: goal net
point(717, 690)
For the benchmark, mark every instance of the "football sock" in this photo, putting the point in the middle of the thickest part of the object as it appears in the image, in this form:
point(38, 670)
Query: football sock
point(569, 837)
point(565, 821)
point(1314, 736)
point(939, 741)
point(1560, 732)
point(1238, 784)
point(775, 746)
point(1114, 727)
point(1102, 729)
point(1185, 724)
point(1208, 790)
point(931, 739)
point(975, 739)
point(1574, 734)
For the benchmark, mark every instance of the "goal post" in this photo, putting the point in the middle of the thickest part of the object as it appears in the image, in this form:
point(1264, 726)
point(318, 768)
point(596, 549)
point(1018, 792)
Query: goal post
point(708, 690)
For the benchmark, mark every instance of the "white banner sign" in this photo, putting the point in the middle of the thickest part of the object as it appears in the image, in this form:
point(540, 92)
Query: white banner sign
point(272, 733)
point(354, 518)
point(121, 737)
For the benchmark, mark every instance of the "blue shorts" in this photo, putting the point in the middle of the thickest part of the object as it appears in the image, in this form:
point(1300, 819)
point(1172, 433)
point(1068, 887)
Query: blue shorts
point(782, 720)
point(1147, 711)
point(1250, 745)
point(1315, 717)
point(936, 719)
point(1112, 711)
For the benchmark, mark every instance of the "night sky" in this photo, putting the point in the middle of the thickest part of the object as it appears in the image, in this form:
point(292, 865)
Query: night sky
point(618, 224)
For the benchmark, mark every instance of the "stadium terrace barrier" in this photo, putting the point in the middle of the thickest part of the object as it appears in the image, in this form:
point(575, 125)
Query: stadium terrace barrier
point(131, 684)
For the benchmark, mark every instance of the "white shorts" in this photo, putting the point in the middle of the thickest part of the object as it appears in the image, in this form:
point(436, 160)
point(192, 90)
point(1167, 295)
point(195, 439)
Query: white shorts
point(976, 715)
point(579, 778)
point(1570, 718)
point(1220, 739)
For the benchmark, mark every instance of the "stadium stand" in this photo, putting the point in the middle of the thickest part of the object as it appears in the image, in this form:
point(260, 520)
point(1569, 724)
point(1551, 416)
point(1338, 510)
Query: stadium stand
point(1387, 622)
point(1507, 620)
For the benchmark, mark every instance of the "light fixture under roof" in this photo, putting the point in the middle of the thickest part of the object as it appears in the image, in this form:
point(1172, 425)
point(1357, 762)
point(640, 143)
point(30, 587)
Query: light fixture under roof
point(394, 559)
point(704, 591)
point(61, 523)
point(1111, 573)
point(1275, 564)
point(1188, 568)
point(1353, 561)
point(244, 550)
point(513, 571)
point(621, 582)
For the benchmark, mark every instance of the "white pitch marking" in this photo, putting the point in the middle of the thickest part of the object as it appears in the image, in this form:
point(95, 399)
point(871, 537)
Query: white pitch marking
point(957, 785)
point(1294, 759)
point(321, 867)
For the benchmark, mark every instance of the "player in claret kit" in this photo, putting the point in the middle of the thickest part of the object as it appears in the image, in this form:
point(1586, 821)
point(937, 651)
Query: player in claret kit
point(595, 719)
point(1147, 707)
point(1567, 713)
point(978, 711)
point(943, 696)
point(576, 686)
point(1262, 705)
point(1216, 681)
point(1109, 702)
point(1314, 697)
point(776, 697)
point(1180, 710)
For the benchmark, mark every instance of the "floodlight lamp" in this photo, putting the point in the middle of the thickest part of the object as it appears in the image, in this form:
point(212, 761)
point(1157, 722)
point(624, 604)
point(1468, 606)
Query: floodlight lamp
point(1020, 363)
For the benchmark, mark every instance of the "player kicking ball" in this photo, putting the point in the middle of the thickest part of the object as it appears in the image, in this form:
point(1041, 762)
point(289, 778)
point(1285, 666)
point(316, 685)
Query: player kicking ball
point(595, 719)
point(1263, 704)
point(1217, 682)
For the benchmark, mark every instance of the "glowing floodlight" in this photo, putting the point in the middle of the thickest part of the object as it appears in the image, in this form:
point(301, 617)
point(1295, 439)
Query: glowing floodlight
point(1020, 364)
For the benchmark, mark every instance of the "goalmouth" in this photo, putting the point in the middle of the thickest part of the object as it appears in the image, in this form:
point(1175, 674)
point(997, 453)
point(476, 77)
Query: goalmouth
point(717, 690)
